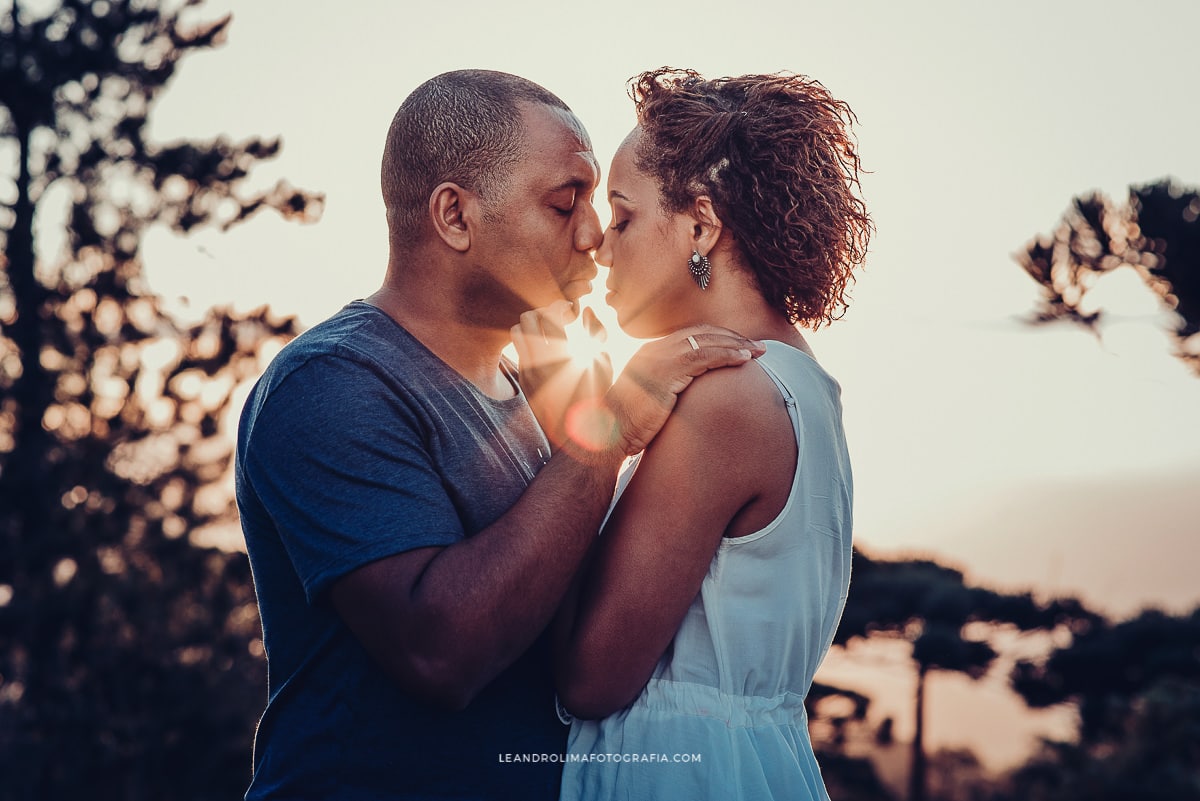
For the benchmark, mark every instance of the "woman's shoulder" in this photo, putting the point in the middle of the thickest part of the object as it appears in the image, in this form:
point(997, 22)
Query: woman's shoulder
point(733, 434)
point(733, 401)
point(727, 385)
point(800, 364)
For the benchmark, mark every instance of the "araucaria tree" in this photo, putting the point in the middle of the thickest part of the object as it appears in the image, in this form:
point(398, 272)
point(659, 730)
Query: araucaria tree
point(932, 608)
point(1136, 685)
point(1156, 234)
point(129, 666)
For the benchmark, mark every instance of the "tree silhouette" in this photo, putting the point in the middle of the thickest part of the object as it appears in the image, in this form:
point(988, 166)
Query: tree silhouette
point(1157, 234)
point(1106, 668)
point(1137, 687)
point(129, 664)
point(836, 715)
point(930, 606)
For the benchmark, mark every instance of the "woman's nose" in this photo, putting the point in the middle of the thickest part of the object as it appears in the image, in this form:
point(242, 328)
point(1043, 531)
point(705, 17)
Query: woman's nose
point(603, 255)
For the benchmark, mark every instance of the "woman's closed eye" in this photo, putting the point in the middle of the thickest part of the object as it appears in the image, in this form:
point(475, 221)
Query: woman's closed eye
point(619, 226)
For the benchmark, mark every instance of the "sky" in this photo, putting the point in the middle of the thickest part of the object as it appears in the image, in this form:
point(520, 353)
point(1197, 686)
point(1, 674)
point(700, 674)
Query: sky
point(1031, 458)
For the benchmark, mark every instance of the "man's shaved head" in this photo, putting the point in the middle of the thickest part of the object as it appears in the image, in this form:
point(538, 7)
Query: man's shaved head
point(463, 127)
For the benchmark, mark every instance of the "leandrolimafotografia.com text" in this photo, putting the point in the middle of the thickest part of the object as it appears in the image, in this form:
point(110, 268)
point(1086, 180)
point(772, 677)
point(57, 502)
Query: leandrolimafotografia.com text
point(564, 758)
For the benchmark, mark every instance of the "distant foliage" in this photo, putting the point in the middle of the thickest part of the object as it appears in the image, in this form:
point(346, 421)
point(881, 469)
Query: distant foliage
point(836, 716)
point(1156, 233)
point(932, 607)
point(1137, 687)
point(130, 664)
point(1106, 668)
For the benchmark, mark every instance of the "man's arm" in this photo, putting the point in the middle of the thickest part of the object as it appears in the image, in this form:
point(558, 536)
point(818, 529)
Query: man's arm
point(443, 622)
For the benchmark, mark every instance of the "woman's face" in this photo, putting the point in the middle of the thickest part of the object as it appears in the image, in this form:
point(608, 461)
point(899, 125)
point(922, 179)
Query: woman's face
point(646, 250)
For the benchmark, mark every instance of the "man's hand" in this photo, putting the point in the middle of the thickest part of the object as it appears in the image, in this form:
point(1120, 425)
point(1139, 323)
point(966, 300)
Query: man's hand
point(562, 391)
point(579, 404)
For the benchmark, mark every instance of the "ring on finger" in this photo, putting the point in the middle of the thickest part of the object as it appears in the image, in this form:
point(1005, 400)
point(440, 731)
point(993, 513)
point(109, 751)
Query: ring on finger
point(691, 340)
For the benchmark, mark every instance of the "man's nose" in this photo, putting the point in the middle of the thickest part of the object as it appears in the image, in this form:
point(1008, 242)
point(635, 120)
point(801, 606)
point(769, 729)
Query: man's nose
point(589, 234)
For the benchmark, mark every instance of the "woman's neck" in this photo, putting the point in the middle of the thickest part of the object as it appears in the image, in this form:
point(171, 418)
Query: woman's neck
point(743, 309)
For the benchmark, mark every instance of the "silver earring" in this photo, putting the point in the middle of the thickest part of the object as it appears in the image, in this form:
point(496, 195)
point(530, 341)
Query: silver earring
point(700, 268)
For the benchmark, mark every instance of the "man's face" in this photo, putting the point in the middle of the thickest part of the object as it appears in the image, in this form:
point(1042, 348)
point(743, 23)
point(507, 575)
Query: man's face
point(537, 241)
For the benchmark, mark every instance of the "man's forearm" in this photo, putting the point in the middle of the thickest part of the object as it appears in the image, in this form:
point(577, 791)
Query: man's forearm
point(486, 599)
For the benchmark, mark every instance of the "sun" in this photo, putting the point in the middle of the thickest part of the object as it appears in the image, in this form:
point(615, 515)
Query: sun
point(584, 348)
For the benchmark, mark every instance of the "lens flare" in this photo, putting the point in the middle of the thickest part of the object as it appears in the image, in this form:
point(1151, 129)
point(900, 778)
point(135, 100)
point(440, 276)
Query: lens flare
point(591, 425)
point(583, 346)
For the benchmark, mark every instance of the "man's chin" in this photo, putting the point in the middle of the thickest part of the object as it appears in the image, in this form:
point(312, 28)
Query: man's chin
point(575, 290)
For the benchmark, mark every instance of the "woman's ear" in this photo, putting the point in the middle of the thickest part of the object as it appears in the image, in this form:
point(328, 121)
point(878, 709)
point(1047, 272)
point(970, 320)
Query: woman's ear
point(449, 211)
point(706, 228)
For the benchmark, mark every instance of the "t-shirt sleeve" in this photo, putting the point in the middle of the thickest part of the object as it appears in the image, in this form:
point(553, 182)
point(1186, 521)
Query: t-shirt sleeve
point(339, 461)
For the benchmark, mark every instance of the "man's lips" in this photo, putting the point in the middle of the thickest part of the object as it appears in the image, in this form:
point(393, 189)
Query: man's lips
point(582, 284)
point(585, 278)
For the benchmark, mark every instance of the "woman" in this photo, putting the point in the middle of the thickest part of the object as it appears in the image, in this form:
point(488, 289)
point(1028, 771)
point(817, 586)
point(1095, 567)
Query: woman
point(714, 591)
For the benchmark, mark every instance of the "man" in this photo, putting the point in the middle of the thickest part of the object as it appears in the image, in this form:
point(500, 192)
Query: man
point(409, 530)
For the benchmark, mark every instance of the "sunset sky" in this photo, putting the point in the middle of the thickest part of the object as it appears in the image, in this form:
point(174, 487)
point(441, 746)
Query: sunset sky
point(1035, 458)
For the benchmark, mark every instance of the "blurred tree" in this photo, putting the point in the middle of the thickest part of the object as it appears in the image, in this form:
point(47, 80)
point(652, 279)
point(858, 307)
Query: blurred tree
point(836, 717)
point(851, 778)
point(1107, 668)
point(129, 665)
point(1157, 234)
point(955, 774)
point(831, 710)
point(1150, 751)
point(931, 607)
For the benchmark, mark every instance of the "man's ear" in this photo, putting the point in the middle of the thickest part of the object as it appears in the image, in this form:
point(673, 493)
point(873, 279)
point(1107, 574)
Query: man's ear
point(450, 212)
point(706, 225)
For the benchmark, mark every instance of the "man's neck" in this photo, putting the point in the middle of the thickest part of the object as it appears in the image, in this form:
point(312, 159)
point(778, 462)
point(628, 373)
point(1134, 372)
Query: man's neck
point(470, 350)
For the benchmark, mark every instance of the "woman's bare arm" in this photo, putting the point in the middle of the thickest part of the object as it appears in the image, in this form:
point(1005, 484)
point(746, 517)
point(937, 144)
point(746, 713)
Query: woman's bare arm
point(721, 466)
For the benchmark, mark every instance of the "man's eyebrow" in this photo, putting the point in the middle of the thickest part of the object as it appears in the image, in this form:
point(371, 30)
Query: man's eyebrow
point(577, 183)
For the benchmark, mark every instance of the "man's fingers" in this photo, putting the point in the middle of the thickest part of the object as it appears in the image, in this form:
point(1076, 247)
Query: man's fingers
point(555, 317)
point(593, 326)
point(548, 322)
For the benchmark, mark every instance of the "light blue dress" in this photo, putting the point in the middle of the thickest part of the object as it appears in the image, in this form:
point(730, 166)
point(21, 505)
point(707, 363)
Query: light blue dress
point(722, 716)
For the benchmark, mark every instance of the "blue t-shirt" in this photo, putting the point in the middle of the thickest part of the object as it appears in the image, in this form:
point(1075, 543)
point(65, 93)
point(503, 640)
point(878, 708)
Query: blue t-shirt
point(356, 444)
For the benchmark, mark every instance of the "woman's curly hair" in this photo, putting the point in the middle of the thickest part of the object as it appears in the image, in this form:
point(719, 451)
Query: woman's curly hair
point(775, 154)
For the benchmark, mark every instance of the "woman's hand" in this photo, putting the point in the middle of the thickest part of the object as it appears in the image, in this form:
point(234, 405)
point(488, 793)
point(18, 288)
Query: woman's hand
point(646, 390)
